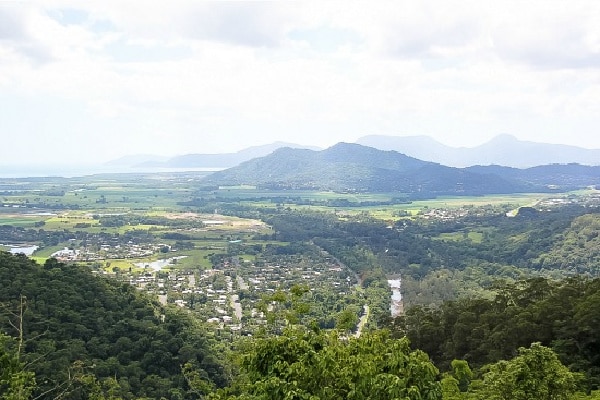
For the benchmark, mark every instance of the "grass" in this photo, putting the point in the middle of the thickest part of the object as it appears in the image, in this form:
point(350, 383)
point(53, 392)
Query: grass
point(159, 196)
point(247, 257)
point(123, 264)
point(263, 199)
point(392, 212)
point(39, 260)
point(69, 222)
point(20, 220)
point(195, 259)
point(475, 237)
point(46, 252)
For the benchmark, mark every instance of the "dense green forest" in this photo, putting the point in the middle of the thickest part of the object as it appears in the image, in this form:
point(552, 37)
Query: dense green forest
point(71, 334)
point(69, 323)
point(563, 315)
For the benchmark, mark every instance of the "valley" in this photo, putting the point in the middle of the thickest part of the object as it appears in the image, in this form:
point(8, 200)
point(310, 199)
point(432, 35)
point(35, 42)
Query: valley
point(294, 200)
point(250, 262)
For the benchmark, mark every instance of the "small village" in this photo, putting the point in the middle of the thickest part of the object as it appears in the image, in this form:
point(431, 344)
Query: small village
point(229, 296)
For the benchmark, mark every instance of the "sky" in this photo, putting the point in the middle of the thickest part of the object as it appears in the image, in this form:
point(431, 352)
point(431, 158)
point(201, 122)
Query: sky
point(89, 81)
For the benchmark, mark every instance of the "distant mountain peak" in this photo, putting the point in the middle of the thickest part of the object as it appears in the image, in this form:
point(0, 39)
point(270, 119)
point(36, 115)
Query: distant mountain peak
point(504, 149)
point(501, 139)
point(354, 167)
point(224, 160)
point(505, 137)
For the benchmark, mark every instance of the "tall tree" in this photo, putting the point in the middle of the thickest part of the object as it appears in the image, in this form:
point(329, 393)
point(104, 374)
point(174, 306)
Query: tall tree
point(536, 373)
point(15, 382)
point(313, 364)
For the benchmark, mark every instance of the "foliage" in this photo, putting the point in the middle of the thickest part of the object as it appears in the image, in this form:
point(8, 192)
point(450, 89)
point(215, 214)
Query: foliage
point(561, 315)
point(579, 247)
point(557, 243)
point(308, 364)
point(16, 383)
point(536, 373)
point(72, 316)
point(349, 167)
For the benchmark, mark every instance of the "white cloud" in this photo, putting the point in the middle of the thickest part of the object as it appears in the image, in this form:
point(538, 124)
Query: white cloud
point(193, 76)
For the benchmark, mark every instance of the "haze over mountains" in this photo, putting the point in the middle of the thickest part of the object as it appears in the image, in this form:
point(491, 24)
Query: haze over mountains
point(417, 166)
point(351, 167)
point(221, 160)
point(504, 150)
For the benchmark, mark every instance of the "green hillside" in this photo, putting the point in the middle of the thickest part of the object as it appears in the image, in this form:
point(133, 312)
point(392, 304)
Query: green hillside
point(351, 167)
point(578, 249)
point(75, 324)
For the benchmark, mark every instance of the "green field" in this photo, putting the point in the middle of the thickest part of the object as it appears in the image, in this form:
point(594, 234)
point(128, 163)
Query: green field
point(475, 237)
point(46, 252)
point(16, 220)
point(78, 205)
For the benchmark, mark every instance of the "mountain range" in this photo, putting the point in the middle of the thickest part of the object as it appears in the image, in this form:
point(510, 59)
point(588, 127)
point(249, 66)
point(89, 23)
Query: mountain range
point(350, 167)
point(505, 150)
point(198, 160)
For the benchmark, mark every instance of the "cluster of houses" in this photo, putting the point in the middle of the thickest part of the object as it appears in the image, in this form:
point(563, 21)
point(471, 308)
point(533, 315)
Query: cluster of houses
point(446, 214)
point(592, 200)
point(228, 296)
point(107, 249)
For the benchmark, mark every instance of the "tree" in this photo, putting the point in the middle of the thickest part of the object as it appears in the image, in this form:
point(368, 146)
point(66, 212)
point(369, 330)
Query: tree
point(536, 373)
point(313, 364)
point(462, 372)
point(346, 320)
point(15, 382)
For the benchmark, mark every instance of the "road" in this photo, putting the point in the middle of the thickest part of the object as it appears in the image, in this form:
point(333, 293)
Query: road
point(241, 284)
point(237, 307)
point(363, 320)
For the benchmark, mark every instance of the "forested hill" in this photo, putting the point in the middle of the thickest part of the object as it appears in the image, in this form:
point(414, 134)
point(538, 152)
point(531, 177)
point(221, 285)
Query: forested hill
point(220, 160)
point(576, 249)
point(352, 167)
point(562, 315)
point(562, 177)
point(75, 324)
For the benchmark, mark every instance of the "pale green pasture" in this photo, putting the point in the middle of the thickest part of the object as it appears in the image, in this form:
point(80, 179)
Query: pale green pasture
point(195, 259)
point(18, 220)
point(39, 260)
point(390, 212)
point(260, 199)
point(124, 264)
point(99, 196)
point(247, 197)
point(247, 257)
point(475, 237)
point(46, 252)
point(302, 194)
point(68, 222)
point(462, 201)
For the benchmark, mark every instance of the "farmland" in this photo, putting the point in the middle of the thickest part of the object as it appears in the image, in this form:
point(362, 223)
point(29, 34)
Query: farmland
point(216, 251)
point(244, 262)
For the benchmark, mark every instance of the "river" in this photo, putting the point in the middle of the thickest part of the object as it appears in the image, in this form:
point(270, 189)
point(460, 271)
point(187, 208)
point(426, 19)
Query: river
point(396, 306)
point(27, 250)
